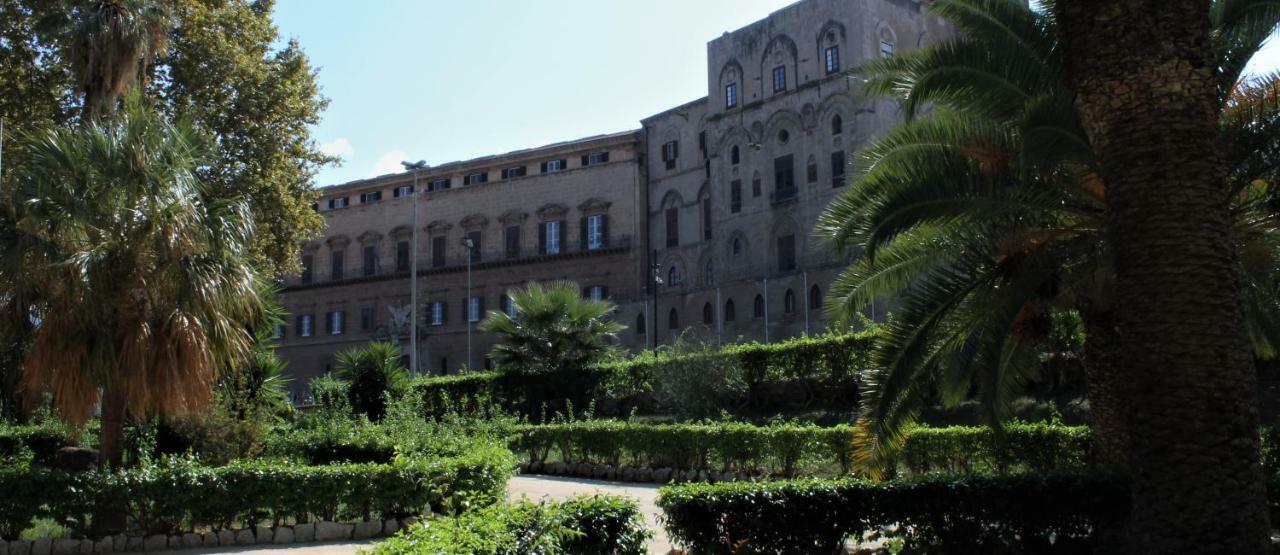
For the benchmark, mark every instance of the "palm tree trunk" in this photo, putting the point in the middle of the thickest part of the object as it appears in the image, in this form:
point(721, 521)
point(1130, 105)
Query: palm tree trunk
point(111, 435)
point(1146, 91)
point(1108, 397)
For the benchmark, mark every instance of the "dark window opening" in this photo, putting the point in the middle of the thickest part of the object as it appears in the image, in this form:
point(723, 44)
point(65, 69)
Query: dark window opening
point(673, 320)
point(735, 196)
point(513, 241)
point(335, 265)
point(787, 253)
point(815, 298)
point(673, 226)
point(370, 260)
point(402, 256)
point(789, 302)
point(837, 168)
point(438, 251)
point(730, 312)
point(757, 307)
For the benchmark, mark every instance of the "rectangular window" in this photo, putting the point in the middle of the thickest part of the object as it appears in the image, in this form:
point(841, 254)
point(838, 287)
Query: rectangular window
point(811, 172)
point(832, 58)
point(507, 306)
point(837, 168)
point(595, 231)
point(308, 263)
point(475, 308)
point(786, 253)
point(335, 322)
point(438, 251)
point(402, 256)
point(551, 241)
point(474, 178)
point(784, 181)
point(670, 152)
point(370, 196)
point(551, 166)
point(402, 191)
point(474, 251)
point(335, 265)
point(595, 293)
point(439, 185)
point(735, 196)
point(779, 78)
point(513, 241)
point(305, 326)
point(730, 95)
point(277, 331)
point(366, 318)
point(595, 158)
point(755, 187)
point(437, 313)
point(673, 227)
point(886, 49)
point(518, 171)
point(370, 260)
point(706, 219)
point(338, 202)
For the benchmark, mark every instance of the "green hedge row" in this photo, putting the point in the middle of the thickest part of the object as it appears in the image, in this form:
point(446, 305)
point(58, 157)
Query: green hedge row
point(42, 441)
point(595, 525)
point(180, 495)
point(791, 449)
point(976, 514)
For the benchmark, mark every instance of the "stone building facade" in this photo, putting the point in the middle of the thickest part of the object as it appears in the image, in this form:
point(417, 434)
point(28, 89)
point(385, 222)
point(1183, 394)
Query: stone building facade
point(698, 222)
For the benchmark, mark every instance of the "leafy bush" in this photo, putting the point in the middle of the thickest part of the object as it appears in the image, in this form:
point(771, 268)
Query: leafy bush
point(329, 394)
point(789, 449)
point(552, 327)
point(323, 437)
point(40, 441)
point(531, 395)
point(975, 514)
point(582, 525)
point(374, 377)
point(180, 495)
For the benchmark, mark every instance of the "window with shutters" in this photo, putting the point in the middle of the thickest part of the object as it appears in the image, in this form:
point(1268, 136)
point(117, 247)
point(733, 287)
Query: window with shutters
point(402, 256)
point(670, 152)
point(438, 251)
point(308, 264)
point(673, 320)
point(475, 308)
point(512, 237)
point(757, 307)
point(438, 185)
point(730, 95)
point(595, 231)
point(338, 202)
point(595, 158)
point(831, 57)
point(784, 184)
point(437, 313)
point(735, 196)
point(673, 226)
point(779, 78)
point(402, 191)
point(366, 318)
point(789, 302)
point(370, 196)
point(730, 311)
point(708, 315)
point(335, 265)
point(551, 234)
point(706, 219)
point(370, 260)
point(551, 166)
point(476, 246)
point(306, 326)
point(837, 168)
point(786, 253)
point(474, 178)
point(517, 171)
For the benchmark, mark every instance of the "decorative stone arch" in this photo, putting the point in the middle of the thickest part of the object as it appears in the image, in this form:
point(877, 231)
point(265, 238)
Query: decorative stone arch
point(552, 211)
point(594, 205)
point(884, 33)
point(731, 72)
point(736, 135)
point(672, 199)
point(439, 227)
point(788, 120)
point(513, 217)
point(781, 51)
point(706, 269)
point(338, 242)
point(474, 222)
point(808, 116)
point(369, 238)
point(310, 247)
point(784, 225)
point(674, 263)
point(832, 33)
point(401, 232)
point(741, 258)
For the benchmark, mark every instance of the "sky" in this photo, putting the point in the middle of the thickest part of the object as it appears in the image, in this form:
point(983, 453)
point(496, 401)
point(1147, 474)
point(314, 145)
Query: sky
point(450, 80)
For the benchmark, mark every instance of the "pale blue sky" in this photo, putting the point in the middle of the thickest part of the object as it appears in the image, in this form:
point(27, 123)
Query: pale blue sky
point(451, 80)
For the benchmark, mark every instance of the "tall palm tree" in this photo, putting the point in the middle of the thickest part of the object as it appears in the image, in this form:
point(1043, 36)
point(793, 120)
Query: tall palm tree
point(553, 327)
point(985, 211)
point(139, 287)
point(108, 44)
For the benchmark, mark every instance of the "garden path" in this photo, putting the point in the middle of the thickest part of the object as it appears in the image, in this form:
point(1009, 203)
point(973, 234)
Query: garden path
point(553, 488)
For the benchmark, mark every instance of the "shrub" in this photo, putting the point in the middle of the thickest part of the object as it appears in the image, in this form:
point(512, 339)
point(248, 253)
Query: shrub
point(976, 514)
point(329, 394)
point(532, 395)
point(324, 438)
point(374, 377)
point(40, 440)
point(582, 525)
point(180, 495)
point(553, 327)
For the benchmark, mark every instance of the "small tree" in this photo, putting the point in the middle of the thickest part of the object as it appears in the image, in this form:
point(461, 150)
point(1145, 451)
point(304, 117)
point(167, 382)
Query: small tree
point(374, 376)
point(553, 328)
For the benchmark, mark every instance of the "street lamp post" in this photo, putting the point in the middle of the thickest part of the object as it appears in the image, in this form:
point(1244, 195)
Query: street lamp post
point(415, 167)
point(470, 245)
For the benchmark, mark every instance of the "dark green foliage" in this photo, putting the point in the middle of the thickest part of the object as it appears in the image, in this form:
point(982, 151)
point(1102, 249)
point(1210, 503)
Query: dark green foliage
point(329, 394)
point(374, 377)
point(42, 440)
point(323, 438)
point(179, 495)
point(793, 449)
point(554, 327)
point(530, 395)
point(587, 525)
point(975, 514)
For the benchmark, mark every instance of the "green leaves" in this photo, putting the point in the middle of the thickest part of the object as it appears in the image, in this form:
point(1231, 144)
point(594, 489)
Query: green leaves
point(554, 327)
point(374, 377)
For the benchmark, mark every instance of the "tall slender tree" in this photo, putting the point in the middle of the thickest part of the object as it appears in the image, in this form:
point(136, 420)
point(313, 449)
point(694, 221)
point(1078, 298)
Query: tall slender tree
point(1148, 88)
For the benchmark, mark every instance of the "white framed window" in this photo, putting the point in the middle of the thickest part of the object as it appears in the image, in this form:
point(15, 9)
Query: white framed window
point(370, 196)
point(307, 325)
point(597, 158)
point(476, 177)
point(555, 165)
point(335, 322)
point(595, 232)
point(832, 58)
point(403, 191)
point(553, 237)
point(437, 313)
point(518, 171)
point(886, 49)
point(474, 309)
point(338, 202)
point(438, 185)
point(731, 95)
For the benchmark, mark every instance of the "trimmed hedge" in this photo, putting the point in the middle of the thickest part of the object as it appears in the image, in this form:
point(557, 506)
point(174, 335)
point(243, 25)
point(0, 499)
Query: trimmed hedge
point(180, 495)
point(583, 525)
point(42, 440)
point(976, 514)
point(788, 450)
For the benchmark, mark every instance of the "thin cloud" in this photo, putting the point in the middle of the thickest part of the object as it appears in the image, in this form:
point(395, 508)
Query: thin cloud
point(388, 163)
point(340, 147)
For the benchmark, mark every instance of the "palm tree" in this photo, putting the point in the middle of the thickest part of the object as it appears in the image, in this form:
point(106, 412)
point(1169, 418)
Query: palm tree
point(986, 212)
point(108, 44)
point(553, 327)
point(138, 285)
point(374, 375)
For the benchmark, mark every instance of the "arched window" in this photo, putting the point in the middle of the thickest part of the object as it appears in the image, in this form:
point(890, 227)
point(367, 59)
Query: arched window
point(789, 302)
point(640, 324)
point(673, 320)
point(730, 313)
point(757, 309)
point(815, 298)
point(708, 314)
point(708, 275)
point(673, 276)
point(737, 246)
point(734, 155)
point(837, 124)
